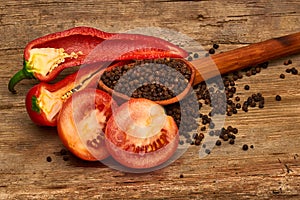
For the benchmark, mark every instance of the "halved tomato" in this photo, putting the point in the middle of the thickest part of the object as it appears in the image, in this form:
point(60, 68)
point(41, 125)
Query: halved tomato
point(140, 135)
point(82, 121)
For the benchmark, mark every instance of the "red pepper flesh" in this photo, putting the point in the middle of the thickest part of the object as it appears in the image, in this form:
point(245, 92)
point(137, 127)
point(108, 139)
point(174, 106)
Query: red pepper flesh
point(47, 56)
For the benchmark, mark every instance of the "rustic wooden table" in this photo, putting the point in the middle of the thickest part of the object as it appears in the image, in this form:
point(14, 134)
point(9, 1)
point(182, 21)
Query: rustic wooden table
point(270, 170)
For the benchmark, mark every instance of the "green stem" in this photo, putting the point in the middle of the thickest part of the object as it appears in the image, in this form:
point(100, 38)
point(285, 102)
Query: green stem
point(20, 75)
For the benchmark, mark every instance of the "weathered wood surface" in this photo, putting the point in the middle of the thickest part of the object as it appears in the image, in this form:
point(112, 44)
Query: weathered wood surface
point(270, 170)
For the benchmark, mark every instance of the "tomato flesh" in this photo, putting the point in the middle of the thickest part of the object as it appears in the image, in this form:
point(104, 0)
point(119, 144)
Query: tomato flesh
point(82, 121)
point(140, 135)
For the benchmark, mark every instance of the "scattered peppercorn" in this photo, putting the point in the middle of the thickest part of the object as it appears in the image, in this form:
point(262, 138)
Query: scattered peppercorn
point(261, 105)
point(63, 152)
point(245, 147)
point(211, 51)
point(215, 46)
point(231, 141)
point(65, 158)
point(247, 87)
point(294, 71)
point(218, 142)
point(251, 146)
point(282, 76)
point(248, 73)
point(235, 130)
point(49, 159)
point(207, 151)
point(288, 62)
point(181, 176)
point(278, 98)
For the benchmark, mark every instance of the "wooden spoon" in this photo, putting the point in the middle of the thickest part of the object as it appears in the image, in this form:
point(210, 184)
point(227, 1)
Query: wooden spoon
point(240, 58)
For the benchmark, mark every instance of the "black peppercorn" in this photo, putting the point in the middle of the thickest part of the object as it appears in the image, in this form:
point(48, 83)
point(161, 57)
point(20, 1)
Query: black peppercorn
point(261, 105)
point(207, 151)
point(247, 87)
point(211, 51)
point(235, 130)
point(215, 46)
point(294, 71)
point(231, 141)
point(282, 76)
point(248, 73)
point(218, 142)
point(245, 147)
point(253, 104)
point(288, 62)
point(197, 142)
point(65, 158)
point(49, 159)
point(278, 98)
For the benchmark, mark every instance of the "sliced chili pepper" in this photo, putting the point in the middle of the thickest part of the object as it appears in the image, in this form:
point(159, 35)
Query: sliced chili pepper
point(47, 56)
point(44, 101)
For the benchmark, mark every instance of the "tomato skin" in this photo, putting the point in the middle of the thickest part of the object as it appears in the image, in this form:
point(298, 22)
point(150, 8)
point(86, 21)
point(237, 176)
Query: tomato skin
point(81, 126)
point(138, 152)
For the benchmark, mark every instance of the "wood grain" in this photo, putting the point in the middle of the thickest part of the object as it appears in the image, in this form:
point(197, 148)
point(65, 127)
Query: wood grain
point(268, 171)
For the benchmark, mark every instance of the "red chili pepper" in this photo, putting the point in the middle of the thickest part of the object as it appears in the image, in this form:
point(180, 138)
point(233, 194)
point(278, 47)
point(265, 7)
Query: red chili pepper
point(47, 56)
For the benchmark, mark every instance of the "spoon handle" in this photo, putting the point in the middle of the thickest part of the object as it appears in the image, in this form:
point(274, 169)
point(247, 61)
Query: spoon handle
point(245, 56)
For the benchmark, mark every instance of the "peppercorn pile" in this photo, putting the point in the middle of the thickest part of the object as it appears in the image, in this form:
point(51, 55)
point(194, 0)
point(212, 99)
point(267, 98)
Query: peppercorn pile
point(216, 97)
point(159, 79)
point(211, 91)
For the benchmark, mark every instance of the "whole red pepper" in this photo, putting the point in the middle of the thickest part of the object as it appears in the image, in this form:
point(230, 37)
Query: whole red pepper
point(47, 56)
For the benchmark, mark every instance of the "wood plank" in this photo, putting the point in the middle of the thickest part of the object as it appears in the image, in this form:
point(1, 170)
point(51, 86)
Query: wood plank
point(269, 170)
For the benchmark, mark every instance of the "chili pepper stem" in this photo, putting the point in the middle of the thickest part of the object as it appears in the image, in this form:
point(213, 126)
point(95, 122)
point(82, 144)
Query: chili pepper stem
point(20, 75)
